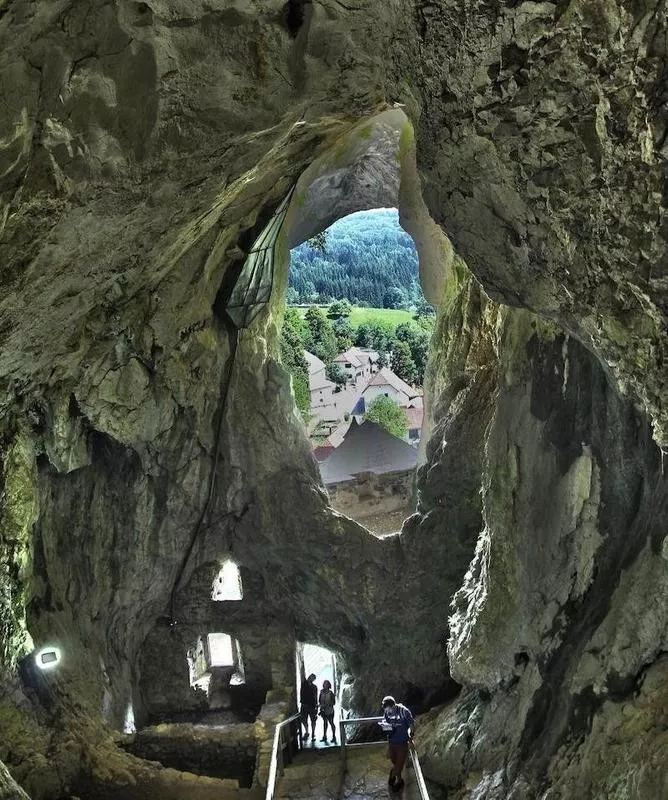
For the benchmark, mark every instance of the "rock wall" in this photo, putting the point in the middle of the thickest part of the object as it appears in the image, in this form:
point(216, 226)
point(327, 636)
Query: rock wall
point(546, 629)
point(143, 147)
point(379, 502)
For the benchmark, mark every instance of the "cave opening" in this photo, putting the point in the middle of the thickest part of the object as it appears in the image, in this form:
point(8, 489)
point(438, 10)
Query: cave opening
point(147, 426)
point(355, 338)
point(358, 373)
point(313, 659)
point(227, 584)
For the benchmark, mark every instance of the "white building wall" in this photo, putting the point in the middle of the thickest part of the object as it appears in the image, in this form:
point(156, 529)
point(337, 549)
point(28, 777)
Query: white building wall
point(351, 372)
point(372, 392)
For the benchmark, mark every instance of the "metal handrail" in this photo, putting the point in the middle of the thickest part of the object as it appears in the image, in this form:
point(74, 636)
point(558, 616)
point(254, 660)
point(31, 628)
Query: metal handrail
point(343, 738)
point(417, 769)
point(276, 752)
point(357, 720)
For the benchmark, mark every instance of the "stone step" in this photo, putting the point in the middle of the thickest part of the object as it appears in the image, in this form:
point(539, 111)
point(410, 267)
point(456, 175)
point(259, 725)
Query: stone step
point(316, 775)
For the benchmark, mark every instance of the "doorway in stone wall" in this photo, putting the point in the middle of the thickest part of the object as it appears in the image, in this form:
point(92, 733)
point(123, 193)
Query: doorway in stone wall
point(312, 658)
point(215, 665)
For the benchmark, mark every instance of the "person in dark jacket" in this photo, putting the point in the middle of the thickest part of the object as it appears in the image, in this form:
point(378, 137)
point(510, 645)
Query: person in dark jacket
point(308, 698)
point(398, 722)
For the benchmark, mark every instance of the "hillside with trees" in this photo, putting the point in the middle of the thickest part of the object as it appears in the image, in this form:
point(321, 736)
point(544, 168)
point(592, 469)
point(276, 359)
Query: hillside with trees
point(366, 258)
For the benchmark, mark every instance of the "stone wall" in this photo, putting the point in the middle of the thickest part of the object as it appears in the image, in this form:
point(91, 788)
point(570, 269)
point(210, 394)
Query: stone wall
point(379, 502)
point(227, 752)
point(267, 647)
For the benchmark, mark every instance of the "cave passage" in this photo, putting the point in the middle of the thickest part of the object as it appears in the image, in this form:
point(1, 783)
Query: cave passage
point(175, 553)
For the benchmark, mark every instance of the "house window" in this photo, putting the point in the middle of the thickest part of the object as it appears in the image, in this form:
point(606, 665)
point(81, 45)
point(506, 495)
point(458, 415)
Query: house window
point(414, 433)
point(348, 366)
point(227, 584)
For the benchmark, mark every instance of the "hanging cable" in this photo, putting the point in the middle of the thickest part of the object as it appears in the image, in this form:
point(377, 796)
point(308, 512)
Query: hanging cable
point(225, 389)
point(240, 303)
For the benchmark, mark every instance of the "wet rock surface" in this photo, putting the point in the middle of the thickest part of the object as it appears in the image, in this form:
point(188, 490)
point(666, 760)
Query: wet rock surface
point(143, 147)
point(8, 788)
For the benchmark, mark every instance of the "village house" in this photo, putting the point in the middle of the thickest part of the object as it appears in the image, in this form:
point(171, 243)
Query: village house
point(358, 363)
point(320, 387)
point(333, 406)
point(415, 420)
point(386, 384)
point(369, 476)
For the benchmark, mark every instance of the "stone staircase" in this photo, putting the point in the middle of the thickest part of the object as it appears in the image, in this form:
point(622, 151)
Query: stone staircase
point(316, 775)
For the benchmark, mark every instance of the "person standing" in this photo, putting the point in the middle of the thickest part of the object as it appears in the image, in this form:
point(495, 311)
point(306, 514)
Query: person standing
point(308, 698)
point(326, 701)
point(399, 723)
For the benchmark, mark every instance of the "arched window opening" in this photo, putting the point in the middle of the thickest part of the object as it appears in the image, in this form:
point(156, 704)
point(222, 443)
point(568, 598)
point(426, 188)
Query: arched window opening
point(227, 583)
point(356, 338)
point(215, 663)
point(368, 267)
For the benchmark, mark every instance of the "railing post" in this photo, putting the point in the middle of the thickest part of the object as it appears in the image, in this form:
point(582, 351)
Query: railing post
point(281, 762)
point(277, 763)
point(290, 748)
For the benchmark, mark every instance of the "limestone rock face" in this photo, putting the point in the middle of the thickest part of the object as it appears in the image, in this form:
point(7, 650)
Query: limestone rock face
point(143, 148)
point(542, 141)
point(553, 628)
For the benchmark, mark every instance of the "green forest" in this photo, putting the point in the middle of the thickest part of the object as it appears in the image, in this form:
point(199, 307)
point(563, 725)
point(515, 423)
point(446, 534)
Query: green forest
point(366, 258)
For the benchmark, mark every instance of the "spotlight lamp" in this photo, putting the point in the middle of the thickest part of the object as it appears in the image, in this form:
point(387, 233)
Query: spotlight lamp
point(48, 658)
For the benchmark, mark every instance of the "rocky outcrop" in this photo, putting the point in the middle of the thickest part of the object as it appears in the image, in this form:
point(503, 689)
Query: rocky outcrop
point(143, 147)
point(542, 139)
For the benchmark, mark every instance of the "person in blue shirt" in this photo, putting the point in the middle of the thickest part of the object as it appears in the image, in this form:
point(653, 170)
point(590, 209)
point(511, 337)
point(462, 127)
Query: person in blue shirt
point(400, 725)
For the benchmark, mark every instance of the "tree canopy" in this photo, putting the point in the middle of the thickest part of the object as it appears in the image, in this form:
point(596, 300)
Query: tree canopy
point(364, 257)
point(292, 356)
point(391, 417)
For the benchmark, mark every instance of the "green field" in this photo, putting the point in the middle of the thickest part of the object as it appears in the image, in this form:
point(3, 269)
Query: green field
point(387, 317)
